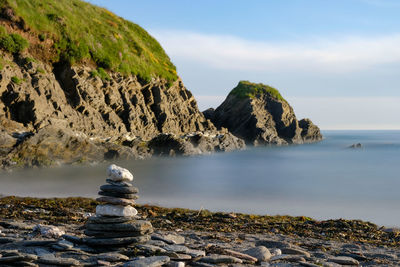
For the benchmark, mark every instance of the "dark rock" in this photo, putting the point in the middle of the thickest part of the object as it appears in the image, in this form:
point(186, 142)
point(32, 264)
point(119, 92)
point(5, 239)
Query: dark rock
point(118, 195)
point(138, 226)
point(116, 201)
point(58, 261)
point(105, 220)
point(310, 132)
point(259, 115)
point(154, 261)
point(119, 189)
point(209, 114)
point(112, 182)
point(358, 145)
point(106, 242)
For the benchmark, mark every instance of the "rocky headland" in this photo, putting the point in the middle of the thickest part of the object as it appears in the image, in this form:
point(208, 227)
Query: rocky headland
point(258, 114)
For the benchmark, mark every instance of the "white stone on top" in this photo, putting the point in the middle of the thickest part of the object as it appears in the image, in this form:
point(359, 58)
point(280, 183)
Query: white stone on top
point(118, 174)
point(116, 210)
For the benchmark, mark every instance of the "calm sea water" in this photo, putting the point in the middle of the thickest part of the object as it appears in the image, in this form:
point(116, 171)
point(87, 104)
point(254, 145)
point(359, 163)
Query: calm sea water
point(322, 180)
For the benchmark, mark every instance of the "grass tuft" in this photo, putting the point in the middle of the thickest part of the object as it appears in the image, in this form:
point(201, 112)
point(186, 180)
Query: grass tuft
point(246, 89)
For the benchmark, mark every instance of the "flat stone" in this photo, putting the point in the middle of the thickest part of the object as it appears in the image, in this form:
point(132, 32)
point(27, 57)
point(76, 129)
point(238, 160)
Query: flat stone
point(106, 219)
point(331, 264)
point(59, 261)
point(65, 244)
point(16, 225)
point(139, 226)
point(112, 257)
point(104, 234)
point(119, 189)
point(116, 201)
point(154, 261)
point(185, 250)
point(295, 251)
point(118, 183)
point(117, 173)
point(269, 243)
point(261, 253)
point(151, 249)
point(5, 240)
point(115, 210)
point(102, 242)
point(169, 238)
point(290, 258)
point(218, 259)
point(240, 255)
point(343, 260)
point(381, 256)
point(175, 264)
point(179, 256)
point(308, 264)
point(118, 195)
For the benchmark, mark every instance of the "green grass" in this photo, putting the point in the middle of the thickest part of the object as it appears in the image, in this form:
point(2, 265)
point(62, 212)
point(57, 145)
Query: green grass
point(82, 31)
point(13, 42)
point(100, 72)
point(16, 80)
point(246, 89)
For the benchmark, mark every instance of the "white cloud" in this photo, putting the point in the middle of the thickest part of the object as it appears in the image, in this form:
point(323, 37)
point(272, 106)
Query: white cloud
point(323, 55)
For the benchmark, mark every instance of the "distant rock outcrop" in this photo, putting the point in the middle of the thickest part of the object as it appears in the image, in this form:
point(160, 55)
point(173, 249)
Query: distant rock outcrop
point(258, 114)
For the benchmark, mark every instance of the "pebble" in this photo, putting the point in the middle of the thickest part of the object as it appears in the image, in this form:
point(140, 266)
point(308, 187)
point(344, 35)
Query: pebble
point(261, 253)
point(117, 173)
point(176, 264)
point(48, 231)
point(218, 259)
point(154, 261)
point(343, 260)
point(65, 244)
point(290, 258)
point(115, 210)
point(116, 201)
point(150, 248)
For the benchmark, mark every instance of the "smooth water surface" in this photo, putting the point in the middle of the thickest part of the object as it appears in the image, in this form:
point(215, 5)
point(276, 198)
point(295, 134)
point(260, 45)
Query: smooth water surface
point(322, 180)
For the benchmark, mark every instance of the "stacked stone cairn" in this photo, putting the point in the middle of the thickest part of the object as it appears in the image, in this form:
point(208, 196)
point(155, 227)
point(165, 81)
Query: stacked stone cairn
point(116, 222)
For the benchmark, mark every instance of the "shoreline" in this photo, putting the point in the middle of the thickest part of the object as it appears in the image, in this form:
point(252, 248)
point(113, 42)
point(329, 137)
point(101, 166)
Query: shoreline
point(186, 237)
point(67, 210)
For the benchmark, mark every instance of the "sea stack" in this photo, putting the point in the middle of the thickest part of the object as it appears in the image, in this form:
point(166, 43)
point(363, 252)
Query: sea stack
point(116, 222)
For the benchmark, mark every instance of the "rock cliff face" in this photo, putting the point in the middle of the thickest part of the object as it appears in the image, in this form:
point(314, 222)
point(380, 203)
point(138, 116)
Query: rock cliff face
point(69, 97)
point(64, 114)
point(258, 114)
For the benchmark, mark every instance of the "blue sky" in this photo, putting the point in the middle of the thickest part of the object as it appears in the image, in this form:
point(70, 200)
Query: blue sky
point(336, 61)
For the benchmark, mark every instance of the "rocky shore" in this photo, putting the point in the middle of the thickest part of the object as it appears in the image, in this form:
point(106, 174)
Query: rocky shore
point(50, 232)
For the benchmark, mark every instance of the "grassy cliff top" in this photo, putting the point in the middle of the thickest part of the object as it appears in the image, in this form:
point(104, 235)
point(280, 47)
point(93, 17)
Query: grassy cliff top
point(79, 31)
point(246, 89)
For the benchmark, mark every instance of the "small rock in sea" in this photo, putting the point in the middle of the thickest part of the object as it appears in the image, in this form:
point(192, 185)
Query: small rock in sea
point(358, 145)
point(48, 231)
point(115, 210)
point(154, 261)
point(261, 253)
point(118, 174)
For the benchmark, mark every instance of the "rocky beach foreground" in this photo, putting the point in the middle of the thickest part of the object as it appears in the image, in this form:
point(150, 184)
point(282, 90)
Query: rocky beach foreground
point(50, 232)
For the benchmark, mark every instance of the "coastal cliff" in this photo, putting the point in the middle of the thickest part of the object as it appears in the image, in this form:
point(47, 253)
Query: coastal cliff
point(80, 84)
point(259, 114)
